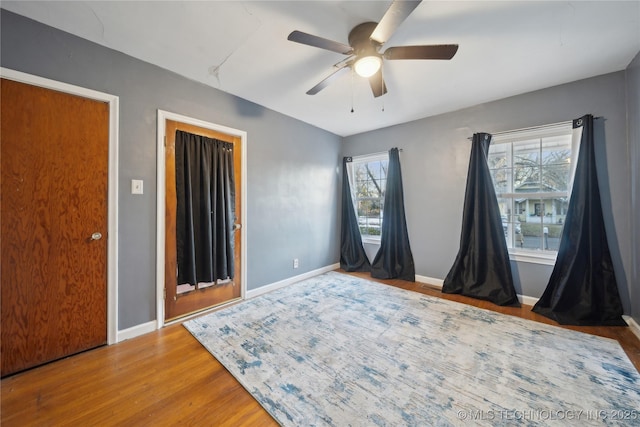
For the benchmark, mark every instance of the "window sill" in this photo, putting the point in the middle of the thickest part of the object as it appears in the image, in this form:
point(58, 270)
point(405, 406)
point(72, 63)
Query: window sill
point(373, 240)
point(548, 258)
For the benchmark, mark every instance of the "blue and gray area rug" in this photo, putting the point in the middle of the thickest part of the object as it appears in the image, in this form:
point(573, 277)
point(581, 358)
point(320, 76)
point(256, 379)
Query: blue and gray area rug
point(336, 350)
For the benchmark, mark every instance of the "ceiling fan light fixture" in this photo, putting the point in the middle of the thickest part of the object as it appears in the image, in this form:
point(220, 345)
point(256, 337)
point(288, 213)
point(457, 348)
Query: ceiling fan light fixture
point(367, 66)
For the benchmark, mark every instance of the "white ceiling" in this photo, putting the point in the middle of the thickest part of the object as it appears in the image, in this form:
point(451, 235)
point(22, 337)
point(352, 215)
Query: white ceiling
point(506, 48)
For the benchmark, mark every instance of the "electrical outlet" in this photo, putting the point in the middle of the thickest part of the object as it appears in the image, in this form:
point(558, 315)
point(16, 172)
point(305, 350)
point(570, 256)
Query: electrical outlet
point(295, 263)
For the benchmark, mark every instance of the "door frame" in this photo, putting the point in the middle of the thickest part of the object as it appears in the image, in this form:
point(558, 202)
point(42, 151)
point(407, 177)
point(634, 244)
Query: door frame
point(163, 116)
point(112, 198)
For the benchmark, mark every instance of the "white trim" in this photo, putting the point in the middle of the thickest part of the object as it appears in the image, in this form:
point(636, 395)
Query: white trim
point(437, 283)
point(371, 240)
point(366, 158)
point(633, 325)
point(548, 258)
point(203, 312)
point(163, 116)
point(527, 300)
point(544, 131)
point(136, 331)
point(252, 293)
point(430, 281)
point(112, 215)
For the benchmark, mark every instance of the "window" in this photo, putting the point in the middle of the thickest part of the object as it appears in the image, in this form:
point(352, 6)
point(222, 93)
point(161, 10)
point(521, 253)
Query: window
point(532, 175)
point(368, 178)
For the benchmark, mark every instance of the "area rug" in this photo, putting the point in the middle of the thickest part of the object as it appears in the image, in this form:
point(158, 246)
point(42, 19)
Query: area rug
point(336, 350)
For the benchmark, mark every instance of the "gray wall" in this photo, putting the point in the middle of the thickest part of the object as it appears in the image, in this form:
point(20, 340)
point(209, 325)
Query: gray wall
point(436, 157)
point(292, 177)
point(633, 117)
point(292, 167)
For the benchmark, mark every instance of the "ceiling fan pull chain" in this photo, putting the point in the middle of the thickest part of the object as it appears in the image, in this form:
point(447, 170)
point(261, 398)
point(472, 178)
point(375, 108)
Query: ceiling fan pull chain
point(352, 72)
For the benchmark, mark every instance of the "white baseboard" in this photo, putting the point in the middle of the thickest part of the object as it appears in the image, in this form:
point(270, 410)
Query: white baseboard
point(145, 328)
point(527, 300)
point(633, 325)
point(524, 299)
point(136, 331)
point(252, 293)
point(429, 281)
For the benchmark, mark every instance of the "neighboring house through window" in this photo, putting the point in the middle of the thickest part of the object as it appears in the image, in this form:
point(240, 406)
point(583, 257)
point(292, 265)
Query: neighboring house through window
point(368, 179)
point(532, 173)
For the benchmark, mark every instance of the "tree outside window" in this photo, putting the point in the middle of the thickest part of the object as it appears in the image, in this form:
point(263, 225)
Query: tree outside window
point(368, 176)
point(531, 175)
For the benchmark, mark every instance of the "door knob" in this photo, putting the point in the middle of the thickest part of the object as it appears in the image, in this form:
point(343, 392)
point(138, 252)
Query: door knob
point(96, 236)
point(237, 227)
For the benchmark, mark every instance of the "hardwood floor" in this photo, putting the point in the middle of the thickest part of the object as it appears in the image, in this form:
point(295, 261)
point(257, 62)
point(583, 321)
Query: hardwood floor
point(168, 378)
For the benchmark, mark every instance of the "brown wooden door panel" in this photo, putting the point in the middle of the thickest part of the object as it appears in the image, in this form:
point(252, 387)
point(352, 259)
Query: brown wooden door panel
point(54, 149)
point(178, 305)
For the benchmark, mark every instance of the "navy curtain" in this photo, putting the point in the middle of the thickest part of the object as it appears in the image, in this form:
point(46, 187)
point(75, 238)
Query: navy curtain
point(352, 254)
point(205, 190)
point(582, 289)
point(482, 268)
point(394, 259)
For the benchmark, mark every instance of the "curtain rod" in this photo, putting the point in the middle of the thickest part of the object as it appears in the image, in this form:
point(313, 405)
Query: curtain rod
point(506, 132)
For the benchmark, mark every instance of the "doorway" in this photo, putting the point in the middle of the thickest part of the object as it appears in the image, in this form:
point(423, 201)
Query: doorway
point(177, 300)
point(58, 211)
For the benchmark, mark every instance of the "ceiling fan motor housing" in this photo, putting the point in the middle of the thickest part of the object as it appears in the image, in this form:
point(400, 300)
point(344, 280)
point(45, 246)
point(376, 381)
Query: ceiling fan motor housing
point(360, 41)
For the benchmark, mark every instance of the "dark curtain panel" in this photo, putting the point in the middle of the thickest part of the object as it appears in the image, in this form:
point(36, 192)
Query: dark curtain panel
point(482, 268)
point(394, 259)
point(582, 289)
point(205, 214)
point(352, 255)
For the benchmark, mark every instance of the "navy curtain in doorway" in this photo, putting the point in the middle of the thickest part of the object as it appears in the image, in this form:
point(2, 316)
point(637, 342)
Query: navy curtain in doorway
point(394, 259)
point(482, 268)
point(205, 190)
point(582, 289)
point(352, 254)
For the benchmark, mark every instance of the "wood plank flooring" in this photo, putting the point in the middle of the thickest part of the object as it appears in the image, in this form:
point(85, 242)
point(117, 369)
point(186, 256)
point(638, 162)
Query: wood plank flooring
point(167, 378)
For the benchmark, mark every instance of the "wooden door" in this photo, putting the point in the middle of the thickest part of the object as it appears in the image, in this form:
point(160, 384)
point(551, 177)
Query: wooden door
point(54, 161)
point(187, 300)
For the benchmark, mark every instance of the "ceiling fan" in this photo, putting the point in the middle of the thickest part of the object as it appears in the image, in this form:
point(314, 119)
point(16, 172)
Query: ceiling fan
point(365, 41)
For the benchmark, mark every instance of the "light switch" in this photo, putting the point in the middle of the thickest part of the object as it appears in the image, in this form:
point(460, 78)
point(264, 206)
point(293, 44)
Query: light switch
point(136, 186)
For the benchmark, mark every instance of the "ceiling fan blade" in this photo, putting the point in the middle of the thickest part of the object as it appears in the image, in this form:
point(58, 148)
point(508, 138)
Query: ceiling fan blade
point(315, 41)
point(436, 51)
point(378, 86)
point(393, 17)
point(327, 81)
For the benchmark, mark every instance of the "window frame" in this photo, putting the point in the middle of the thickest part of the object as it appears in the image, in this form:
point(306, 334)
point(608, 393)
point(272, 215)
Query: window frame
point(522, 136)
point(367, 158)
